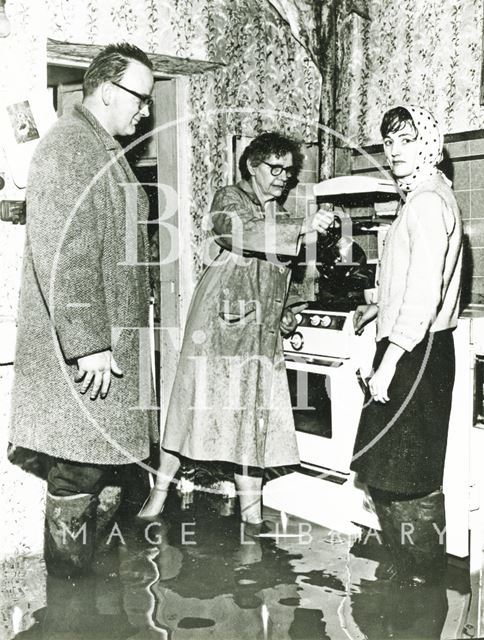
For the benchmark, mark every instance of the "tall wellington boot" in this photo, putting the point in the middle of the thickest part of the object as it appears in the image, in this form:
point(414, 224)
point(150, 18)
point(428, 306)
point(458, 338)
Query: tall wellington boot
point(391, 540)
point(69, 533)
point(422, 551)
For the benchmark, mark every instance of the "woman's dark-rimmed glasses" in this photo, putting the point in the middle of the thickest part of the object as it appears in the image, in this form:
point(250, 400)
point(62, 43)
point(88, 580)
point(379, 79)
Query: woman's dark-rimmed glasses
point(144, 99)
point(277, 169)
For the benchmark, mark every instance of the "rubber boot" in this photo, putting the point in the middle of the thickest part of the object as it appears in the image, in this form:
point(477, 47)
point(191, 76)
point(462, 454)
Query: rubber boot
point(69, 533)
point(108, 506)
point(387, 570)
point(420, 524)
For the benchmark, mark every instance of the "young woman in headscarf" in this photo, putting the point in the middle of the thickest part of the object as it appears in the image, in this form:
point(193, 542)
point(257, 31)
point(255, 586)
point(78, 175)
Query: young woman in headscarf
point(400, 447)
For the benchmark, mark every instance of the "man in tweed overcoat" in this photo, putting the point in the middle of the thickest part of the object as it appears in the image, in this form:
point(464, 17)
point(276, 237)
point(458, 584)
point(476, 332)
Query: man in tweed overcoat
point(84, 297)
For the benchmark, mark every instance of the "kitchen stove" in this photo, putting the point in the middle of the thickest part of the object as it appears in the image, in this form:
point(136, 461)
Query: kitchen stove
point(326, 364)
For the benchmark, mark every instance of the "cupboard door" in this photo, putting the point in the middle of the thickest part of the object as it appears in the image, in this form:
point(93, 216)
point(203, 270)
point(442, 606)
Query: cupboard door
point(67, 96)
point(165, 96)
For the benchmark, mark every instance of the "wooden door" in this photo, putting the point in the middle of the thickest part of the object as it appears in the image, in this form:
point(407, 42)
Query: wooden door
point(167, 141)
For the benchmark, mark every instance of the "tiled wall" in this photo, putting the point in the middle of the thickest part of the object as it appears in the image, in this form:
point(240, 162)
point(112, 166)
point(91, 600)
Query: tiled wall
point(464, 165)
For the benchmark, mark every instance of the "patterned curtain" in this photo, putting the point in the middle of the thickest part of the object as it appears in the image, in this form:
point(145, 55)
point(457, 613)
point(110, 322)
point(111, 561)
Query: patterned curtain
point(269, 82)
point(303, 19)
point(320, 28)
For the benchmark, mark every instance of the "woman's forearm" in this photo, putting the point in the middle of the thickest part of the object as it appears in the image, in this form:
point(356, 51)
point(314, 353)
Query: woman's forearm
point(383, 376)
point(392, 355)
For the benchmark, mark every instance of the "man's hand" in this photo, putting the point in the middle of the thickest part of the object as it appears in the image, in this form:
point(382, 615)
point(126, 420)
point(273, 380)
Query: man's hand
point(288, 322)
point(96, 369)
point(364, 314)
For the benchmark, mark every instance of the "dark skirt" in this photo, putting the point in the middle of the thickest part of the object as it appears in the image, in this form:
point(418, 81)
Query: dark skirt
point(400, 445)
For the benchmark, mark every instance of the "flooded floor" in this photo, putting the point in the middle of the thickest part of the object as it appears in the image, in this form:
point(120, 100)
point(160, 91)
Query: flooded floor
point(193, 574)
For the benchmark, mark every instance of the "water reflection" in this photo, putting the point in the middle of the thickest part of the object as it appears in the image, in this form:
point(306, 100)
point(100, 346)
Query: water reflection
point(203, 577)
point(191, 575)
point(385, 610)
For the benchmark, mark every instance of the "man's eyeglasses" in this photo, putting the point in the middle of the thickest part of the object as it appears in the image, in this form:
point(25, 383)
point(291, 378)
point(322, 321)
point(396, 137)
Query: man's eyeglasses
point(144, 99)
point(277, 169)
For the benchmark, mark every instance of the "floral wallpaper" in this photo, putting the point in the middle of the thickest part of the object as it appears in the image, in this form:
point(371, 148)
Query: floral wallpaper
point(173, 27)
point(410, 51)
point(23, 70)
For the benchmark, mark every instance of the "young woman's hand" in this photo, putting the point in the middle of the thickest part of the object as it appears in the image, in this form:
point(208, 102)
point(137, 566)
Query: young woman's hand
point(382, 378)
point(379, 383)
point(364, 313)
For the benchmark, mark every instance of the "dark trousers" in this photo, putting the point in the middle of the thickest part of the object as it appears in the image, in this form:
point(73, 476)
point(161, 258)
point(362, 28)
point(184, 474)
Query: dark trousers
point(66, 478)
point(69, 478)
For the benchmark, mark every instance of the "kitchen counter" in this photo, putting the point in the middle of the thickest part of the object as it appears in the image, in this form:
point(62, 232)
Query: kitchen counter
point(472, 311)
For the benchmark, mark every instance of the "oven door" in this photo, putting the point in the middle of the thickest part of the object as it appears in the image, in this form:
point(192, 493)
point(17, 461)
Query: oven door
point(327, 402)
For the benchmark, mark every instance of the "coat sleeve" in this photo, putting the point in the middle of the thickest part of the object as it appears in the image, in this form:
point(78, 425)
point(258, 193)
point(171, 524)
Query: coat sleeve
point(428, 243)
point(238, 228)
point(65, 203)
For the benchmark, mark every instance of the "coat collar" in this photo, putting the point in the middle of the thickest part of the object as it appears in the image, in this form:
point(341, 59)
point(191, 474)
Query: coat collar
point(106, 138)
point(246, 187)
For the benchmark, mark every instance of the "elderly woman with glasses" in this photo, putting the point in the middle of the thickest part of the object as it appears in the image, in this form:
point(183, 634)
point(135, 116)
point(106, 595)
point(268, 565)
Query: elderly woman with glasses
point(230, 400)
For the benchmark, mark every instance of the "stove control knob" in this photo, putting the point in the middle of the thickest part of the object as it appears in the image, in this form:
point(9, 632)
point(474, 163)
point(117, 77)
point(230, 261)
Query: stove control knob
point(314, 321)
point(298, 317)
point(325, 321)
point(297, 341)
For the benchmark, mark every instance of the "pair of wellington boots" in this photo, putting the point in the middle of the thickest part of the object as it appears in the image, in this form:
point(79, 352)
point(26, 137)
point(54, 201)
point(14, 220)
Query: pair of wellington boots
point(413, 530)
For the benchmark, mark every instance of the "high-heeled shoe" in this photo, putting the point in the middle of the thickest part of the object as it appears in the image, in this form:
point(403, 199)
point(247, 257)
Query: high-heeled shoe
point(154, 504)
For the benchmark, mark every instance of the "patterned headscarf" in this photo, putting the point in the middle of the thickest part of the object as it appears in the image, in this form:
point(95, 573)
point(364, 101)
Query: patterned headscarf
point(430, 141)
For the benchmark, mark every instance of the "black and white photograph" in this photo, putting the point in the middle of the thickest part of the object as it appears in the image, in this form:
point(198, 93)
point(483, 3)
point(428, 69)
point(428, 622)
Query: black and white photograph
point(242, 320)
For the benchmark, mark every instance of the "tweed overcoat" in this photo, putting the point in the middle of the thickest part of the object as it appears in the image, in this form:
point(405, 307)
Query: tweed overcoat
point(230, 398)
point(82, 292)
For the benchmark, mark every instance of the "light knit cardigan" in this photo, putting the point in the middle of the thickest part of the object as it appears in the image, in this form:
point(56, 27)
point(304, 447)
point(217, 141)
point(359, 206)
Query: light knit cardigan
point(420, 275)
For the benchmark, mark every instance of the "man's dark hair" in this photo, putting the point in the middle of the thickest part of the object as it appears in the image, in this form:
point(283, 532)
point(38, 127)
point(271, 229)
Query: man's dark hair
point(268, 144)
point(394, 120)
point(111, 63)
